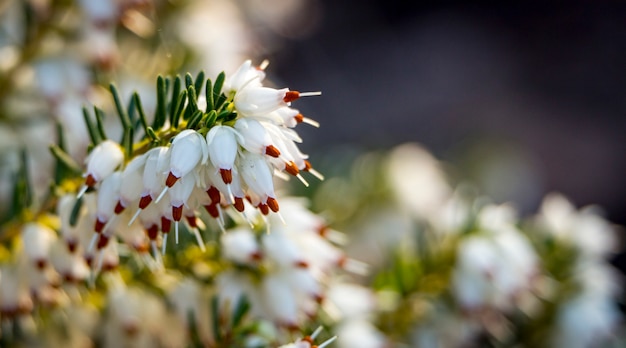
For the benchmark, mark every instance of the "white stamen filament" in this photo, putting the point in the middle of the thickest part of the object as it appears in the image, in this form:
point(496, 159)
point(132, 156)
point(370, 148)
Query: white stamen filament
point(316, 174)
point(176, 230)
point(264, 64)
point(310, 122)
point(163, 246)
point(316, 332)
point(306, 183)
point(199, 239)
point(82, 191)
point(328, 341)
point(161, 194)
point(135, 216)
point(310, 94)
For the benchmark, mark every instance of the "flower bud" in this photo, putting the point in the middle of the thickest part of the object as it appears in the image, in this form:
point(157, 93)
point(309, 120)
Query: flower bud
point(102, 161)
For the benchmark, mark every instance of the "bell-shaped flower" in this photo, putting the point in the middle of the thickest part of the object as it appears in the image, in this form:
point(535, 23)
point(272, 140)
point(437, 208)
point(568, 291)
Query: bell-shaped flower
point(257, 175)
point(255, 138)
point(254, 101)
point(102, 161)
point(240, 245)
point(108, 196)
point(153, 178)
point(189, 148)
point(246, 75)
point(131, 183)
point(222, 146)
point(37, 240)
point(71, 266)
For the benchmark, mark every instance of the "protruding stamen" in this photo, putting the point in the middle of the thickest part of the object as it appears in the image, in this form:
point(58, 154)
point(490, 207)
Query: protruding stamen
point(212, 210)
point(162, 194)
point(132, 219)
point(90, 181)
point(214, 194)
point(301, 119)
point(153, 232)
point(264, 209)
point(176, 230)
point(227, 175)
point(102, 241)
point(263, 64)
point(199, 239)
point(164, 243)
point(99, 225)
point(316, 332)
point(239, 204)
point(177, 213)
point(291, 168)
point(82, 191)
point(171, 180)
point(166, 225)
point(192, 221)
point(119, 207)
point(272, 204)
point(272, 151)
point(302, 180)
point(92, 243)
point(327, 342)
point(309, 168)
point(145, 201)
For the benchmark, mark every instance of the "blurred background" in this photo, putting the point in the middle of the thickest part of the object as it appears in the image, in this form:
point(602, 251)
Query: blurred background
point(522, 98)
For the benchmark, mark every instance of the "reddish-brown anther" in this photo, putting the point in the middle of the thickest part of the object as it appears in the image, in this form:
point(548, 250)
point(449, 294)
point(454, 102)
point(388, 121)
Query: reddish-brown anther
point(119, 207)
point(192, 220)
point(299, 118)
point(272, 151)
point(153, 232)
point(90, 181)
point(214, 194)
point(103, 240)
point(291, 96)
point(212, 210)
point(239, 204)
point(264, 209)
point(227, 175)
point(41, 264)
point(307, 165)
point(72, 245)
point(99, 225)
point(177, 212)
point(166, 224)
point(256, 256)
point(301, 264)
point(273, 204)
point(144, 201)
point(171, 180)
point(291, 168)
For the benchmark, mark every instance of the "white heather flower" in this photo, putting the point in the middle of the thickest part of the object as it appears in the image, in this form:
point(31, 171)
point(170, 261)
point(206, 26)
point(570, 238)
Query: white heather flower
point(108, 196)
point(37, 240)
point(257, 175)
point(584, 229)
point(494, 265)
point(71, 266)
point(254, 101)
point(15, 299)
point(102, 161)
point(245, 76)
point(188, 149)
point(157, 162)
point(188, 298)
point(240, 245)
point(255, 138)
point(222, 146)
point(131, 183)
point(417, 180)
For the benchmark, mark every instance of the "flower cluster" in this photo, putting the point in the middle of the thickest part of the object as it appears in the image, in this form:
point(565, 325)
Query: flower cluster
point(463, 270)
point(221, 161)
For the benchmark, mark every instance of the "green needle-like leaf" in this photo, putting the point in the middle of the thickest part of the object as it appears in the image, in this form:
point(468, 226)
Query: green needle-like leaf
point(176, 93)
point(199, 81)
point(91, 128)
point(100, 122)
point(75, 211)
point(120, 108)
point(210, 105)
point(142, 114)
point(160, 113)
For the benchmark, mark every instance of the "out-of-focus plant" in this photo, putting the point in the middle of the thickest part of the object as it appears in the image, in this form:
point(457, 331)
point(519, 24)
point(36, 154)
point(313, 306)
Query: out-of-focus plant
point(450, 268)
